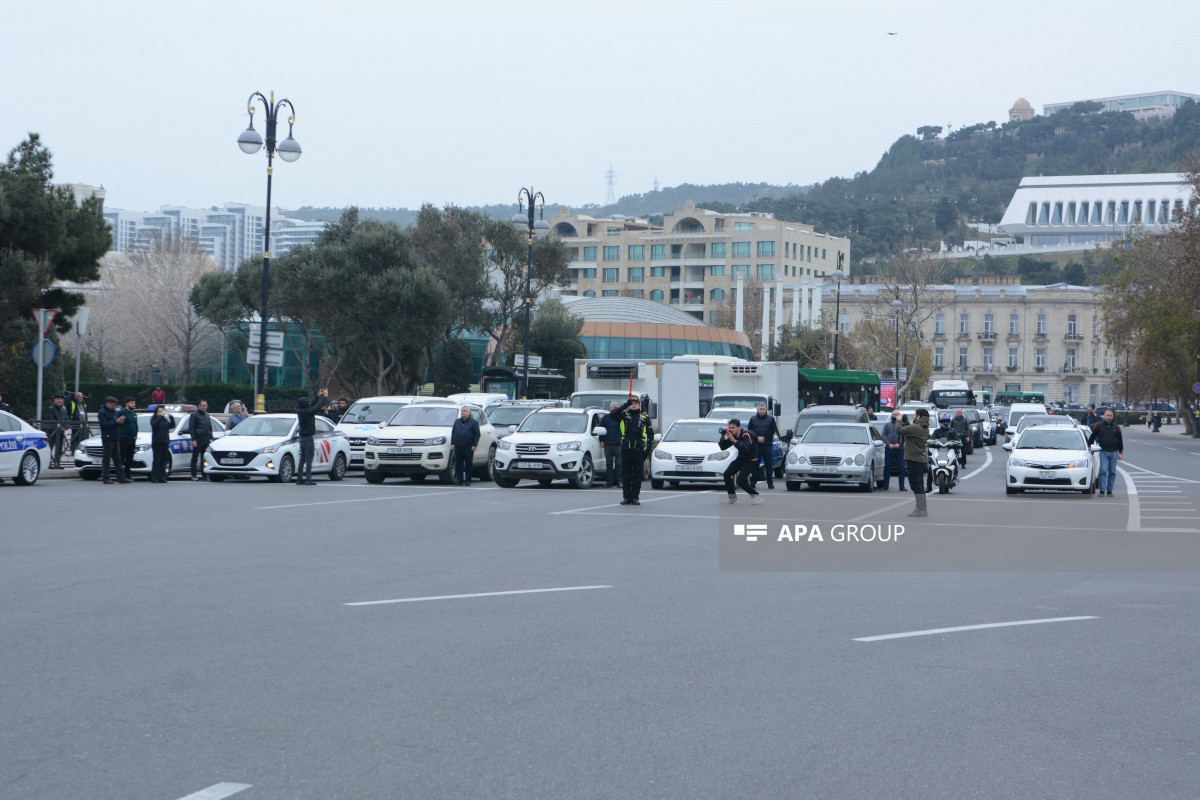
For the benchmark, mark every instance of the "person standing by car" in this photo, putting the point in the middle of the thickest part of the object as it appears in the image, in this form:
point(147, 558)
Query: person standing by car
point(763, 427)
point(57, 418)
point(636, 435)
point(612, 446)
point(962, 426)
point(127, 416)
point(1090, 418)
point(464, 438)
point(916, 457)
point(306, 413)
point(338, 410)
point(1107, 434)
point(110, 438)
point(893, 455)
point(160, 444)
point(744, 461)
point(236, 415)
point(80, 431)
point(200, 428)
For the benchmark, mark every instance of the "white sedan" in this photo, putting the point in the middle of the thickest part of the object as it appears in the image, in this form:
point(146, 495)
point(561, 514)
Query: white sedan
point(1055, 457)
point(846, 453)
point(24, 450)
point(90, 454)
point(268, 446)
point(689, 453)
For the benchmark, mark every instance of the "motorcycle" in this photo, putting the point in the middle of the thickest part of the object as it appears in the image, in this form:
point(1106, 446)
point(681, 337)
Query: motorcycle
point(943, 464)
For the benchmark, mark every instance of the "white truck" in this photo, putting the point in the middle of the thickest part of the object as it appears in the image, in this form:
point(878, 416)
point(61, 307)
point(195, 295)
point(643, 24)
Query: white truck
point(746, 384)
point(672, 386)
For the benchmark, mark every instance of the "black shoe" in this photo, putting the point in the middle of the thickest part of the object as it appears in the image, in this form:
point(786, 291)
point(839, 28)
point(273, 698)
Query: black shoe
point(626, 502)
point(636, 502)
point(124, 480)
point(466, 483)
point(195, 478)
point(107, 482)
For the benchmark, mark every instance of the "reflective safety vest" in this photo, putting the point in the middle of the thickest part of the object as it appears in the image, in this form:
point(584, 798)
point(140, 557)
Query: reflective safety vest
point(635, 431)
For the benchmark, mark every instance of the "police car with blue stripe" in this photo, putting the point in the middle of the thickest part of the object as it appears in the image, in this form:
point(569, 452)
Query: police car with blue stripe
point(90, 454)
point(24, 450)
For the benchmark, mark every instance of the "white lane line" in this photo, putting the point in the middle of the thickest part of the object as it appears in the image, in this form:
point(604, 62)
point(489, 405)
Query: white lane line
point(218, 791)
point(1174, 449)
point(1158, 474)
point(934, 631)
point(884, 510)
point(363, 500)
point(478, 594)
point(1135, 505)
point(986, 463)
point(610, 505)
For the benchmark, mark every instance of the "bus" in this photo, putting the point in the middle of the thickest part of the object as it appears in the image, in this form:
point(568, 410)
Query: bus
point(1008, 398)
point(544, 383)
point(951, 394)
point(846, 387)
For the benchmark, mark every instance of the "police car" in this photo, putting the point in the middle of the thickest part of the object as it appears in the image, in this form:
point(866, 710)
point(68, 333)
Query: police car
point(268, 445)
point(90, 455)
point(24, 450)
point(368, 414)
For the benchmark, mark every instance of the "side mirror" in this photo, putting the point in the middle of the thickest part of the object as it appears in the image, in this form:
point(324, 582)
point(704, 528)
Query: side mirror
point(778, 409)
point(658, 437)
point(878, 445)
point(512, 428)
point(1095, 448)
point(599, 430)
point(1006, 446)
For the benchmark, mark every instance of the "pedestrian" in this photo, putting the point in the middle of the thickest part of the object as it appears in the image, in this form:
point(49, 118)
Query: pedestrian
point(962, 426)
point(636, 436)
point(1090, 418)
point(893, 454)
point(58, 418)
point(1107, 434)
point(110, 438)
point(158, 396)
point(160, 444)
point(464, 438)
point(236, 415)
point(338, 410)
point(127, 416)
point(80, 431)
point(763, 427)
point(200, 428)
point(744, 461)
point(612, 446)
point(306, 413)
point(916, 457)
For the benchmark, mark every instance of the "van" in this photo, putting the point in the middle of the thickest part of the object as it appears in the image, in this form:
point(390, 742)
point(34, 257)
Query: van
point(1018, 410)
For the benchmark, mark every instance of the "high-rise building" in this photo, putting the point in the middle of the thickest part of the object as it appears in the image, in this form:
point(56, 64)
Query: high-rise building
point(1142, 106)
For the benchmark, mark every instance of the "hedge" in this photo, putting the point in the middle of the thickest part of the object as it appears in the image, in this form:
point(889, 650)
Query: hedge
point(217, 394)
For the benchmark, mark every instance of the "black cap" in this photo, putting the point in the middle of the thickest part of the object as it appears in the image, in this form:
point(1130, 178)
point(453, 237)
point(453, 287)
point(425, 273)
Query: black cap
point(60, 396)
point(110, 399)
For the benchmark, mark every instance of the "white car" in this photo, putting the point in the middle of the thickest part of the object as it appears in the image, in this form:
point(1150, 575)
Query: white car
point(367, 415)
point(415, 444)
point(484, 400)
point(553, 444)
point(1054, 457)
point(90, 454)
point(689, 452)
point(24, 450)
point(268, 446)
point(836, 452)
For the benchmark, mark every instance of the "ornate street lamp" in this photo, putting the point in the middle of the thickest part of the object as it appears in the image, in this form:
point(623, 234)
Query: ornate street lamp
point(289, 150)
point(839, 276)
point(525, 222)
point(897, 305)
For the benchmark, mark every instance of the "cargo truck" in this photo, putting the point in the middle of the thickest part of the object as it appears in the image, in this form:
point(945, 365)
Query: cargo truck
point(673, 387)
point(745, 384)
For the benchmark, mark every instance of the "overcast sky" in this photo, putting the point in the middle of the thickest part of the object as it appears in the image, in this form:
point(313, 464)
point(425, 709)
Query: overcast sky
point(400, 103)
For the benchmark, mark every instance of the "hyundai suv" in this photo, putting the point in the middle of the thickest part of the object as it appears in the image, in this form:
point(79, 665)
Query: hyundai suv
point(553, 444)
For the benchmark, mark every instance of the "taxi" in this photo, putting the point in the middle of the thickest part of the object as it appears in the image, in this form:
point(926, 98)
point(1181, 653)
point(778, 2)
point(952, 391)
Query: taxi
point(24, 450)
point(90, 454)
point(268, 446)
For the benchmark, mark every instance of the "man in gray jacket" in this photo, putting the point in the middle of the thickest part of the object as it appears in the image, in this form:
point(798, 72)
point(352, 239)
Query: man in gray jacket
point(916, 457)
point(893, 454)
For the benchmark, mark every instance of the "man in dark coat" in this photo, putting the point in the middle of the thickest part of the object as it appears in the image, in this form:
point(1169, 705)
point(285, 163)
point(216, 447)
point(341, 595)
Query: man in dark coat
point(127, 416)
point(307, 414)
point(464, 438)
point(916, 458)
point(743, 463)
point(110, 438)
point(962, 426)
point(160, 444)
point(1090, 418)
point(636, 437)
point(893, 454)
point(612, 446)
point(763, 427)
point(58, 418)
point(1107, 434)
point(200, 428)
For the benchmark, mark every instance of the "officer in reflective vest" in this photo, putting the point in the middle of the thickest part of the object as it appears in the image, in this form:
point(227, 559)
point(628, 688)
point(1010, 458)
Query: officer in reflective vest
point(636, 437)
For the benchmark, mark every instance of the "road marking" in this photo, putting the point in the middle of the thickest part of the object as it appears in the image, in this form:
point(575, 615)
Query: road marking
point(934, 631)
point(1172, 448)
point(1159, 474)
point(218, 791)
point(884, 510)
point(363, 500)
point(610, 505)
point(986, 463)
point(1135, 505)
point(478, 594)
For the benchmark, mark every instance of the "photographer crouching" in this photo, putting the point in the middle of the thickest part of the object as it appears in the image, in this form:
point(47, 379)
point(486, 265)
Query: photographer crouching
point(744, 462)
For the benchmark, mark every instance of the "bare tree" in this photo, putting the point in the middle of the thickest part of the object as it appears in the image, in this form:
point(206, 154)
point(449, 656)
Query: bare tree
point(919, 283)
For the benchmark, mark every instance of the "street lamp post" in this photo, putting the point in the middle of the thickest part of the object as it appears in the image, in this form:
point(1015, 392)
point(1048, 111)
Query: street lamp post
point(1126, 423)
point(838, 275)
point(525, 222)
point(897, 305)
point(289, 150)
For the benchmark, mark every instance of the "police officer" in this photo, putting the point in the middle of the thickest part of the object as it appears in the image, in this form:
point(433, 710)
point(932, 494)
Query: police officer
point(763, 427)
point(80, 432)
point(200, 428)
point(160, 444)
point(127, 416)
point(110, 437)
point(636, 436)
point(58, 419)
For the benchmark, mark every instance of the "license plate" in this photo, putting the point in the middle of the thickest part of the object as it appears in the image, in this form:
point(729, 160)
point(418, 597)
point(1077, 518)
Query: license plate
point(690, 468)
point(232, 462)
point(356, 457)
point(824, 469)
point(528, 465)
point(1047, 474)
point(397, 451)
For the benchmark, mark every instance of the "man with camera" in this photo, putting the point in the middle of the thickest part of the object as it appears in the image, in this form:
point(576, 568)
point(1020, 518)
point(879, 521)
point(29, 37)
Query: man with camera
point(744, 461)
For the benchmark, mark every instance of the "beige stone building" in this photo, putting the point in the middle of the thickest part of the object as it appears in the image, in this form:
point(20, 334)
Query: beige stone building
point(695, 259)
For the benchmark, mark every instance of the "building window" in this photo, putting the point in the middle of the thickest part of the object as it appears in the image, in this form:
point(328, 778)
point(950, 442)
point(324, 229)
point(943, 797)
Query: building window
point(766, 272)
point(741, 249)
point(989, 358)
point(1072, 325)
point(589, 272)
point(939, 324)
point(658, 252)
point(809, 253)
point(658, 272)
point(743, 226)
point(656, 295)
point(1012, 357)
point(964, 323)
point(1070, 365)
point(717, 249)
point(717, 295)
point(1106, 361)
point(637, 252)
point(637, 274)
point(844, 323)
point(939, 356)
point(719, 224)
point(589, 293)
point(713, 316)
point(1095, 326)
point(718, 269)
point(989, 323)
point(1014, 324)
point(638, 292)
point(1095, 358)
point(823, 256)
point(611, 275)
point(589, 254)
point(765, 250)
point(1041, 326)
point(962, 358)
point(609, 293)
point(741, 271)
point(1040, 358)
point(614, 230)
point(612, 253)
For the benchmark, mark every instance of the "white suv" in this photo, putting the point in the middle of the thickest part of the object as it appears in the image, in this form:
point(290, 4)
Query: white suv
point(415, 443)
point(552, 444)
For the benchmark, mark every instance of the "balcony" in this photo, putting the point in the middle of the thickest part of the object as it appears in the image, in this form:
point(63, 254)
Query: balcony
point(1074, 337)
point(986, 335)
point(985, 369)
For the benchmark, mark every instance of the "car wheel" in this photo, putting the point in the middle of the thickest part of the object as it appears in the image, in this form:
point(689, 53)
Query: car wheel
point(338, 470)
point(869, 484)
point(656, 484)
point(488, 471)
point(90, 475)
point(31, 467)
point(506, 483)
point(372, 476)
point(217, 478)
point(583, 479)
point(793, 486)
point(287, 470)
point(446, 476)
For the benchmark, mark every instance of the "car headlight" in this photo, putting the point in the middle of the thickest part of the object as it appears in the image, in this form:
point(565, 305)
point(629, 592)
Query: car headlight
point(859, 460)
point(435, 440)
point(1017, 462)
point(1083, 462)
point(372, 440)
point(720, 455)
point(661, 456)
point(141, 448)
point(792, 458)
point(268, 449)
point(570, 445)
point(505, 444)
point(848, 461)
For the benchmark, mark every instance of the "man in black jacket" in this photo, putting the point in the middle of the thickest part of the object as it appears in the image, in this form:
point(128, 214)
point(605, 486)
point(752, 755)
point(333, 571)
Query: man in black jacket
point(1107, 434)
point(636, 437)
point(160, 444)
point(58, 418)
point(743, 463)
point(962, 426)
point(612, 446)
point(763, 427)
point(307, 414)
point(110, 438)
point(464, 438)
point(200, 428)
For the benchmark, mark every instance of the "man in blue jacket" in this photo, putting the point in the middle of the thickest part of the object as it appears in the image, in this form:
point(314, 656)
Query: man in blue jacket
point(612, 446)
point(464, 438)
point(110, 438)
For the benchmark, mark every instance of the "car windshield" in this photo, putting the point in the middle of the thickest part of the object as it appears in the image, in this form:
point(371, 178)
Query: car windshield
point(367, 413)
point(836, 434)
point(1051, 440)
point(554, 422)
point(599, 400)
point(278, 427)
point(804, 421)
point(1038, 419)
point(738, 401)
point(416, 416)
point(694, 432)
point(508, 415)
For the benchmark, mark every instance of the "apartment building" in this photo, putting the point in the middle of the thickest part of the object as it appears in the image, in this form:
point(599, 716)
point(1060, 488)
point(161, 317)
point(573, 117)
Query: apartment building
point(694, 259)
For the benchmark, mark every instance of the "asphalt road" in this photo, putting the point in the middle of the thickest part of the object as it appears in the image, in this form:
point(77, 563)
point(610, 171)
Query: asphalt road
point(199, 639)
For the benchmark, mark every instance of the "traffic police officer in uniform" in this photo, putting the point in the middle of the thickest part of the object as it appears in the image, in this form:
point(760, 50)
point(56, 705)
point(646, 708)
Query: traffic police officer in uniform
point(636, 436)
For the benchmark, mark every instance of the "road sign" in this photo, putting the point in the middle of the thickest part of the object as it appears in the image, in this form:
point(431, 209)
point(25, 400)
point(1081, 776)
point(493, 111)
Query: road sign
point(903, 374)
point(274, 338)
point(43, 352)
point(535, 362)
point(274, 357)
point(45, 317)
point(1196, 388)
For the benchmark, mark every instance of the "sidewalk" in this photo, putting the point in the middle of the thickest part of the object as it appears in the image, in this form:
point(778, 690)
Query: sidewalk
point(1172, 434)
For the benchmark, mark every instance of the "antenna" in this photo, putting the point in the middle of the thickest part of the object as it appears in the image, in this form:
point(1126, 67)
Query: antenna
point(610, 180)
point(656, 178)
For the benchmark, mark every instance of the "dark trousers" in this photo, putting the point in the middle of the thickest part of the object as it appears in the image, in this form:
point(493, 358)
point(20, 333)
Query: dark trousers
point(304, 470)
point(744, 470)
point(56, 441)
point(201, 445)
point(112, 455)
point(631, 473)
point(128, 443)
point(462, 464)
point(893, 458)
point(162, 457)
point(916, 475)
point(612, 465)
point(763, 467)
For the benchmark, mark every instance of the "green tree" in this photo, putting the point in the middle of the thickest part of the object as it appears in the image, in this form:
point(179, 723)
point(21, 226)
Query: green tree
point(554, 335)
point(455, 372)
point(946, 215)
point(506, 273)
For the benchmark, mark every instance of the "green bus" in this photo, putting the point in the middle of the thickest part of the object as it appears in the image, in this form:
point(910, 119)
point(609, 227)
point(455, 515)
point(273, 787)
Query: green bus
point(1008, 398)
point(850, 387)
